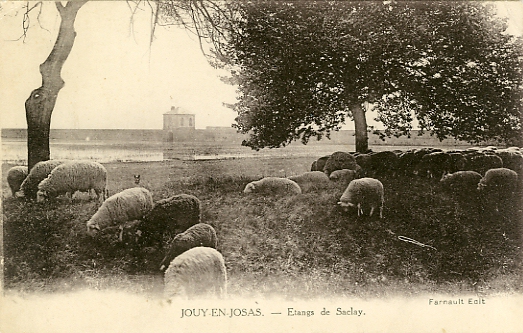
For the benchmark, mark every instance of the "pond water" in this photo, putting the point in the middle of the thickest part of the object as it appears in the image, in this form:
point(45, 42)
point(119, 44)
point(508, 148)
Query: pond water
point(16, 151)
point(112, 151)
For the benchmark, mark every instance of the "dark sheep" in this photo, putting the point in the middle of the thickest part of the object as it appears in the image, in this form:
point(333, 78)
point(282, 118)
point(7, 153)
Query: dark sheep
point(174, 214)
point(458, 162)
point(200, 234)
point(340, 160)
point(384, 163)
point(434, 165)
point(15, 177)
point(407, 162)
point(498, 188)
point(365, 162)
point(462, 183)
point(499, 180)
point(480, 162)
point(512, 160)
point(319, 164)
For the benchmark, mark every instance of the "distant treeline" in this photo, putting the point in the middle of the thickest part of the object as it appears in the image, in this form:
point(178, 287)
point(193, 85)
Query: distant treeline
point(215, 134)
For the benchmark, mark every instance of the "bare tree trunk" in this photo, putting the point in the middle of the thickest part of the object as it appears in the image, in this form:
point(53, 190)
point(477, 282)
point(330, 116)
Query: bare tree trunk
point(360, 127)
point(40, 104)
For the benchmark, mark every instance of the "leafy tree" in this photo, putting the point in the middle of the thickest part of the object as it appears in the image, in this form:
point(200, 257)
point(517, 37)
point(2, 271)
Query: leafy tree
point(303, 68)
point(203, 17)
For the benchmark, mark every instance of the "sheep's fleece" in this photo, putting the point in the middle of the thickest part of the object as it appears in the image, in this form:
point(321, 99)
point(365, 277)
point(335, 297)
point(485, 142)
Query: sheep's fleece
point(39, 172)
point(127, 205)
point(177, 212)
point(461, 182)
point(74, 176)
point(499, 180)
point(15, 177)
point(343, 176)
point(273, 185)
point(198, 272)
point(363, 193)
point(201, 234)
point(311, 180)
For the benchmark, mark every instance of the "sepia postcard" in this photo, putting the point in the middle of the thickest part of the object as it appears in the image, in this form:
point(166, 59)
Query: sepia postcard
point(261, 166)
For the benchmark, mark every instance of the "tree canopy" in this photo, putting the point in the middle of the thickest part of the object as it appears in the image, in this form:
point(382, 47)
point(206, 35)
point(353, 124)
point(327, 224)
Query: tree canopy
point(304, 68)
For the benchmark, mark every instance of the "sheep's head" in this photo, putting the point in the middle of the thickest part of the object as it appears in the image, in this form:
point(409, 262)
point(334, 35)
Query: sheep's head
point(249, 188)
point(345, 205)
point(93, 229)
point(42, 196)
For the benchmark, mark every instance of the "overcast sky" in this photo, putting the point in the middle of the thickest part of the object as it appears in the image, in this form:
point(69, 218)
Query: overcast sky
point(113, 79)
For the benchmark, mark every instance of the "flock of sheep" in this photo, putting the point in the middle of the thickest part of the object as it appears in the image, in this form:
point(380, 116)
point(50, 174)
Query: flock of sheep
point(192, 264)
point(495, 173)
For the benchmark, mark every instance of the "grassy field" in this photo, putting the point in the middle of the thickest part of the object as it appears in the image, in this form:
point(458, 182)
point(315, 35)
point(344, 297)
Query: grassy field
point(296, 247)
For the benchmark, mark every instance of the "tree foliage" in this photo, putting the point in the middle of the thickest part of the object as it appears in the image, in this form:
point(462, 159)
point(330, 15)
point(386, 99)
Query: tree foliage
point(304, 68)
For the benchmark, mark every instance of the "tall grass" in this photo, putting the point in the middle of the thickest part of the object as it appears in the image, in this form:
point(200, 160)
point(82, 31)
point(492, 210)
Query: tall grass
point(299, 246)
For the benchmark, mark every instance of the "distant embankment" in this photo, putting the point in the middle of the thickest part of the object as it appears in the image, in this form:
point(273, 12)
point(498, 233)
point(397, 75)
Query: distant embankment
point(216, 134)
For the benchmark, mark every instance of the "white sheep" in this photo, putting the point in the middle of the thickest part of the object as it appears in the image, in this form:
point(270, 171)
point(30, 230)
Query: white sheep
point(363, 193)
point(311, 180)
point(38, 172)
point(74, 176)
point(198, 272)
point(128, 205)
point(15, 177)
point(201, 234)
point(273, 185)
point(343, 176)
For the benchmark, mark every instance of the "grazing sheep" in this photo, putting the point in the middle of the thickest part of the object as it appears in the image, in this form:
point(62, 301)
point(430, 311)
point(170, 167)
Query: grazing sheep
point(176, 213)
point(383, 163)
point(365, 162)
point(200, 234)
point(363, 193)
point(434, 165)
point(458, 162)
point(15, 177)
point(499, 180)
point(407, 162)
point(74, 176)
point(128, 205)
point(512, 160)
point(343, 177)
point(480, 162)
point(461, 182)
point(39, 172)
point(498, 188)
point(340, 160)
point(319, 164)
point(273, 185)
point(198, 272)
point(311, 180)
